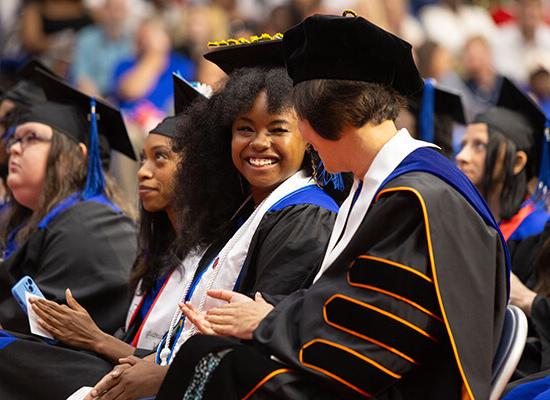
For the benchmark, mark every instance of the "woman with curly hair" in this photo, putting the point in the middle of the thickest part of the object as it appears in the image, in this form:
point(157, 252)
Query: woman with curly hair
point(247, 188)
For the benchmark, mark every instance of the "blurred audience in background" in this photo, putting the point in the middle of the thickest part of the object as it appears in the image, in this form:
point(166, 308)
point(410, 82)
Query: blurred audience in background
point(127, 50)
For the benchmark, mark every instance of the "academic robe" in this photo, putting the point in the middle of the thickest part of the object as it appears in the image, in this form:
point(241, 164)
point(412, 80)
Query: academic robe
point(412, 308)
point(297, 229)
point(88, 247)
point(286, 248)
point(526, 233)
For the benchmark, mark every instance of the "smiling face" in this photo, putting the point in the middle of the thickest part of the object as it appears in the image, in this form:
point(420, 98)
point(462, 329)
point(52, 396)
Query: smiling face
point(158, 166)
point(473, 153)
point(266, 148)
point(28, 162)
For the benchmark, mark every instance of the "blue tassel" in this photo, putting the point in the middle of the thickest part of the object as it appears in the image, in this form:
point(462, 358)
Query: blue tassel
point(95, 181)
point(324, 177)
point(541, 193)
point(427, 109)
point(9, 133)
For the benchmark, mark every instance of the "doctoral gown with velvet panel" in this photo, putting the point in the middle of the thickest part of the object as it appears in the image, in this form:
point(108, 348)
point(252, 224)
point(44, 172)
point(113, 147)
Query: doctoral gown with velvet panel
point(412, 308)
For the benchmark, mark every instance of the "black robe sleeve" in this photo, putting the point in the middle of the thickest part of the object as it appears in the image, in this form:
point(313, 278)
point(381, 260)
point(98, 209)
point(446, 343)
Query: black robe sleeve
point(89, 248)
point(407, 309)
point(363, 337)
point(286, 250)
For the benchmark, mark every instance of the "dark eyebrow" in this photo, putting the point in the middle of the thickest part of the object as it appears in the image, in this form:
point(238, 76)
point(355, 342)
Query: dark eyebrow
point(162, 147)
point(278, 121)
point(245, 119)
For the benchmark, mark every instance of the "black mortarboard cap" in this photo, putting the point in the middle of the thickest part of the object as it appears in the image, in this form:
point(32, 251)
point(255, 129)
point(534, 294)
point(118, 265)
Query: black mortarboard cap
point(521, 120)
point(349, 48)
point(29, 70)
point(24, 93)
point(74, 120)
point(435, 101)
point(260, 51)
point(184, 94)
point(27, 90)
point(446, 102)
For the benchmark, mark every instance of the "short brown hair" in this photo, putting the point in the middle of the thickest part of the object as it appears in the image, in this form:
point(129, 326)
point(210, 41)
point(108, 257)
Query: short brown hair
point(329, 105)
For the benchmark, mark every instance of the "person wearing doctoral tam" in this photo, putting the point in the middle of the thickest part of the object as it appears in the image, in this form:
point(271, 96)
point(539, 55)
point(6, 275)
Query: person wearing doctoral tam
point(432, 114)
point(398, 310)
point(75, 236)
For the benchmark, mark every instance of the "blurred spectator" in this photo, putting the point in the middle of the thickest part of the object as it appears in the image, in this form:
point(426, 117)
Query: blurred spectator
point(138, 11)
point(525, 44)
point(434, 60)
point(171, 13)
point(48, 30)
point(401, 23)
point(257, 10)
point(480, 75)
point(10, 44)
point(143, 84)
point(500, 12)
point(281, 19)
point(100, 48)
point(451, 23)
point(539, 86)
point(201, 24)
point(308, 7)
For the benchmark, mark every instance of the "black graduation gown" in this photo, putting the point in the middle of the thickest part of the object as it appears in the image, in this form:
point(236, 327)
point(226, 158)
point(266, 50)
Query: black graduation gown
point(88, 248)
point(412, 309)
point(299, 233)
point(536, 354)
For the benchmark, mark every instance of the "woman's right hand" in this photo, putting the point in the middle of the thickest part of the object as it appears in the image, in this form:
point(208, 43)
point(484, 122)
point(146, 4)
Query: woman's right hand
point(70, 323)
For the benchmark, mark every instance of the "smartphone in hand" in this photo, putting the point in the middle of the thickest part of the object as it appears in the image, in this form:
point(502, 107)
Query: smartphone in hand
point(25, 285)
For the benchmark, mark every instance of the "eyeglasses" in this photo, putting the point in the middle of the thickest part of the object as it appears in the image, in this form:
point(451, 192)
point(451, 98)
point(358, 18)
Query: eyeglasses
point(25, 141)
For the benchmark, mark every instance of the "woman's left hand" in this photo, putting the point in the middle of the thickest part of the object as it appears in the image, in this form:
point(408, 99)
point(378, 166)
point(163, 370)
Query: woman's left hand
point(133, 379)
point(70, 323)
point(521, 295)
point(238, 319)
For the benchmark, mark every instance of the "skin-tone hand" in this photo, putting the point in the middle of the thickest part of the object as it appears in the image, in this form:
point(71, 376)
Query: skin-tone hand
point(69, 323)
point(239, 318)
point(73, 325)
point(521, 295)
point(199, 318)
point(132, 379)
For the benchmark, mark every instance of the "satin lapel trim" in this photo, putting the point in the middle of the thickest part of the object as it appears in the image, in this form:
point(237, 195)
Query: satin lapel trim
point(387, 159)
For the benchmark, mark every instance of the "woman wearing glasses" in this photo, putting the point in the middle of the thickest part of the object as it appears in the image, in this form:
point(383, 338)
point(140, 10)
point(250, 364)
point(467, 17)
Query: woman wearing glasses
point(65, 227)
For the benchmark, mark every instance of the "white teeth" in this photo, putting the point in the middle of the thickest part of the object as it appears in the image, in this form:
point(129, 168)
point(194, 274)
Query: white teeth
point(260, 162)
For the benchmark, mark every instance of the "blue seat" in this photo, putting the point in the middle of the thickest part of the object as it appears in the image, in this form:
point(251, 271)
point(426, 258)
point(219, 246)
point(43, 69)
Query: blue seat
point(510, 348)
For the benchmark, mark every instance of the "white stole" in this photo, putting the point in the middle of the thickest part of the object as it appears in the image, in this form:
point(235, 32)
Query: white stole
point(385, 162)
point(157, 320)
point(230, 260)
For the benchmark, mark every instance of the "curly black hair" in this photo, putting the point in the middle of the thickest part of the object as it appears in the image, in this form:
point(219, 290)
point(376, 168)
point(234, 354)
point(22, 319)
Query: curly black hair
point(209, 189)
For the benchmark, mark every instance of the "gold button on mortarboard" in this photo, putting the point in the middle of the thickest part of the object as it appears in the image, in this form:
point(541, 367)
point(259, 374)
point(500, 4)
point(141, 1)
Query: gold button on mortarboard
point(349, 11)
